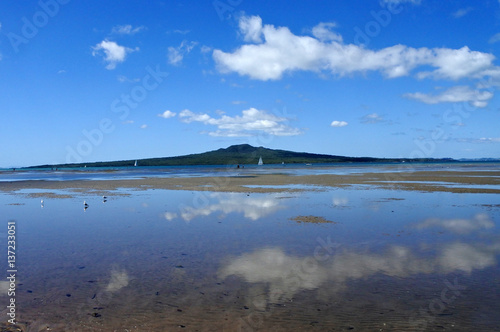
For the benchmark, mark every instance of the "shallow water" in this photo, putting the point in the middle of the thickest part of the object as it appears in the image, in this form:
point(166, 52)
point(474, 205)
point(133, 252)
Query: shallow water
point(124, 173)
point(162, 260)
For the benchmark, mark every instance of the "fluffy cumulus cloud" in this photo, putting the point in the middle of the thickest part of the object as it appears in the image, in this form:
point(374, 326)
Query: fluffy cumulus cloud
point(112, 52)
point(167, 114)
point(455, 94)
point(337, 123)
point(175, 55)
point(273, 51)
point(251, 122)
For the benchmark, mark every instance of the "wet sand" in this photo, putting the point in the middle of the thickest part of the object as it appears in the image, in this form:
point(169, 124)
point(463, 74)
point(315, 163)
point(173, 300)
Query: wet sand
point(424, 181)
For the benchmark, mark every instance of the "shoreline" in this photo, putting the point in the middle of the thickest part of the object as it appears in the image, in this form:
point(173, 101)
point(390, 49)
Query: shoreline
point(424, 181)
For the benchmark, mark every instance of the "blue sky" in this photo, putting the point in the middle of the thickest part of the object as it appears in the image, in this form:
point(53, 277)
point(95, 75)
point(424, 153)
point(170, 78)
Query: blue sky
point(86, 81)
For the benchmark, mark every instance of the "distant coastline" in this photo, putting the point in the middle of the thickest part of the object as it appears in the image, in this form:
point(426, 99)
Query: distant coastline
point(243, 154)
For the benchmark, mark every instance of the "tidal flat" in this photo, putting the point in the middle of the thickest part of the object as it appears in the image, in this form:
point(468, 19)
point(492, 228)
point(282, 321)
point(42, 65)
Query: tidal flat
point(374, 250)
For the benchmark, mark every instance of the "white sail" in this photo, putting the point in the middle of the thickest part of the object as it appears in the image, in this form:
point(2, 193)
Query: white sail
point(135, 164)
point(260, 161)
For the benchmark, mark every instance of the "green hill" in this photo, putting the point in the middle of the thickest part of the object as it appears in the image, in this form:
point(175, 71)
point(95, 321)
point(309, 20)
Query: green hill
point(243, 154)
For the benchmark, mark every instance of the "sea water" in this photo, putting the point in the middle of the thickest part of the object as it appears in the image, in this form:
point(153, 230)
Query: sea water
point(357, 258)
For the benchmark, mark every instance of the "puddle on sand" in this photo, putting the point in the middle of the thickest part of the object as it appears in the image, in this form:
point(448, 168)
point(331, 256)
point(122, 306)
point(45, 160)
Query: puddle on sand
point(161, 260)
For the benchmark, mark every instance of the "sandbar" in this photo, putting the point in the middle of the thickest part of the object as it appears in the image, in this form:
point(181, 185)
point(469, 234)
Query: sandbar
point(487, 182)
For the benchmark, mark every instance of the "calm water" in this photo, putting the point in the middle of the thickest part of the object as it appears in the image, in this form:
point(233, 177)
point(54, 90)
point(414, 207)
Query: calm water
point(163, 260)
point(119, 173)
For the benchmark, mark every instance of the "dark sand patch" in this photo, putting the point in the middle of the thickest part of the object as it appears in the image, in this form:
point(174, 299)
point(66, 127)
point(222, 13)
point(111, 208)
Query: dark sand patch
point(312, 220)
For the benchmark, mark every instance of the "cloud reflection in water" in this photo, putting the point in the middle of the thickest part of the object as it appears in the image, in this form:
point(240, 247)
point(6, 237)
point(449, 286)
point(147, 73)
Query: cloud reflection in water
point(253, 208)
point(459, 226)
point(287, 274)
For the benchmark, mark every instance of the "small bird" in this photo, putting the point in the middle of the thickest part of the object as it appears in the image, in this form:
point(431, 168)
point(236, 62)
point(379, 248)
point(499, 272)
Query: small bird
point(85, 205)
point(104, 199)
point(41, 202)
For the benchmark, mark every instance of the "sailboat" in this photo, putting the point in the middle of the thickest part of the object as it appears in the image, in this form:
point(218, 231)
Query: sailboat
point(260, 161)
point(135, 164)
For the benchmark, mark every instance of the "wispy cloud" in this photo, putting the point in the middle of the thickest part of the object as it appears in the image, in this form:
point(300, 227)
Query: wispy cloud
point(324, 32)
point(338, 123)
point(112, 52)
point(461, 12)
point(272, 52)
point(167, 114)
point(126, 29)
point(455, 94)
point(495, 38)
point(251, 122)
point(175, 55)
point(482, 140)
point(372, 118)
point(123, 79)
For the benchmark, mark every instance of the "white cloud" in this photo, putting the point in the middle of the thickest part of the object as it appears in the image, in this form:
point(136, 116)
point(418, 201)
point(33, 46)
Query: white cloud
point(251, 28)
point(144, 126)
point(323, 32)
point(167, 114)
point(176, 54)
point(113, 53)
point(118, 280)
point(126, 29)
point(251, 122)
point(338, 123)
point(276, 51)
point(455, 94)
point(372, 118)
point(459, 226)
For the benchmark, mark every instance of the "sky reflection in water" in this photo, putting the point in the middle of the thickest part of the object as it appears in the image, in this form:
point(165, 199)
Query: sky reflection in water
point(243, 251)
